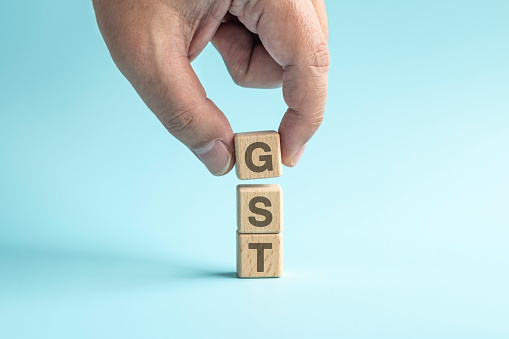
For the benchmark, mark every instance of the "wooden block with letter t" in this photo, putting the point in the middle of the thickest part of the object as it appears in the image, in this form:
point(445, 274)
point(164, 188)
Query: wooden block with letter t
point(259, 255)
point(258, 155)
point(259, 209)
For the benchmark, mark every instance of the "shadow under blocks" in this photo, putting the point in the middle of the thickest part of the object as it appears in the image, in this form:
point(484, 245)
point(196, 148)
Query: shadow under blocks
point(259, 207)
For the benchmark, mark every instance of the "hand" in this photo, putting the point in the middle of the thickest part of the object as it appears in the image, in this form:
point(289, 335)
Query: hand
point(264, 43)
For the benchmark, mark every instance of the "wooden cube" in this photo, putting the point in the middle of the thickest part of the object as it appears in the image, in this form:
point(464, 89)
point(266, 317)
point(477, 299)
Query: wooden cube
point(259, 209)
point(259, 255)
point(258, 155)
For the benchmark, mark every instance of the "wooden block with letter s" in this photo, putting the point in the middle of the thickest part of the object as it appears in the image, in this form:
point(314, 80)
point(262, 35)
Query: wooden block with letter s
point(258, 155)
point(259, 255)
point(259, 209)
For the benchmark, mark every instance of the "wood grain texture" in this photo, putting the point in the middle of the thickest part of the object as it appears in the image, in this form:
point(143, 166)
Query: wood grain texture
point(258, 155)
point(259, 209)
point(259, 255)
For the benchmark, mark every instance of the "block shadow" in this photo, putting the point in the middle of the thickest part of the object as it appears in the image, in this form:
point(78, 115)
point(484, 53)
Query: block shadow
point(56, 269)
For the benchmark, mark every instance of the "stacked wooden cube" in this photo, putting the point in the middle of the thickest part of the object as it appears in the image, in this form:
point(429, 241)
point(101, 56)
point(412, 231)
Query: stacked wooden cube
point(259, 207)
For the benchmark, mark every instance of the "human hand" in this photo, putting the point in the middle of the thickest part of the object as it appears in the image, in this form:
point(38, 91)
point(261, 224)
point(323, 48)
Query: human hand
point(264, 44)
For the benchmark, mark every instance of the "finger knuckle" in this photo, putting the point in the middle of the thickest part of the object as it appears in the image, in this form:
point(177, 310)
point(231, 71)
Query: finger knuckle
point(313, 118)
point(320, 58)
point(179, 120)
point(316, 119)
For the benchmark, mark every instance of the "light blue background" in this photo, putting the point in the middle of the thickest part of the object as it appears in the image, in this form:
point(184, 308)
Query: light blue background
point(396, 220)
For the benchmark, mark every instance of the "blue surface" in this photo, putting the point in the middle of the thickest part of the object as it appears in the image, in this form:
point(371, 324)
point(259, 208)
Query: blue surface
point(396, 219)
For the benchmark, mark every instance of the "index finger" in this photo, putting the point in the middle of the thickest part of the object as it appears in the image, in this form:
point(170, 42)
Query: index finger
point(292, 34)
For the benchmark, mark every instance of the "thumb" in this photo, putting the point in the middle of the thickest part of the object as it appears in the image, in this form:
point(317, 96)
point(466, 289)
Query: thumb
point(179, 101)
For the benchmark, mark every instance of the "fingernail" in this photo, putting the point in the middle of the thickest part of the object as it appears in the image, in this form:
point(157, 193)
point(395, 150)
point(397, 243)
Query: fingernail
point(298, 155)
point(216, 156)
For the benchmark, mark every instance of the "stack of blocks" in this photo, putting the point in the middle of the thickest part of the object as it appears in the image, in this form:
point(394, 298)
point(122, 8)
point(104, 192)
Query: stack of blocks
point(259, 207)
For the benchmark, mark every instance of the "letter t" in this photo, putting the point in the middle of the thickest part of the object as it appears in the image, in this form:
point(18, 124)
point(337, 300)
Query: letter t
point(260, 247)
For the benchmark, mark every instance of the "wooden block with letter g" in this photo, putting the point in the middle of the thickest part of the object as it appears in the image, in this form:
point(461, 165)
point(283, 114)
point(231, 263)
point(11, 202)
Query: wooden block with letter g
point(259, 255)
point(259, 209)
point(258, 155)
